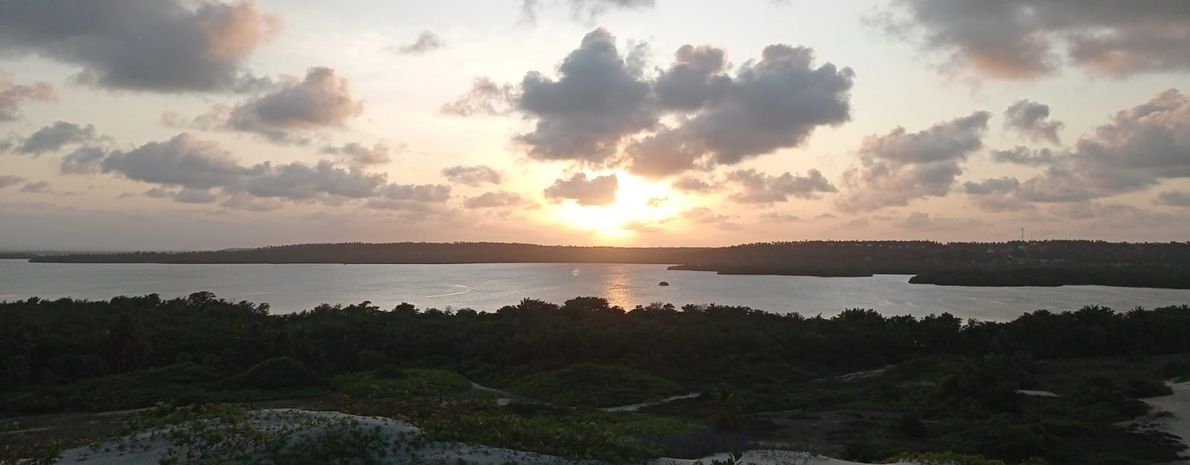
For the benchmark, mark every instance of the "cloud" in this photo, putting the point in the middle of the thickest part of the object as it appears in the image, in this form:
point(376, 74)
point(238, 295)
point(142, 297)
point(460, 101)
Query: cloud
point(704, 215)
point(188, 195)
point(431, 193)
point(1170, 198)
point(585, 9)
point(55, 136)
point(13, 96)
point(40, 187)
point(1026, 39)
point(602, 110)
point(996, 194)
point(600, 190)
point(1137, 149)
point(485, 98)
point(693, 184)
point(146, 45)
point(298, 181)
point(196, 165)
point(85, 160)
point(494, 200)
point(764, 189)
point(770, 104)
point(426, 42)
point(695, 78)
point(597, 101)
point(358, 155)
point(899, 167)
point(1028, 119)
point(318, 101)
point(1025, 156)
point(7, 180)
point(472, 175)
point(184, 161)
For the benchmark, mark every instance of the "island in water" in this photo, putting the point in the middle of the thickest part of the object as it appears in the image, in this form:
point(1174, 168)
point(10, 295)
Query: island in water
point(1016, 263)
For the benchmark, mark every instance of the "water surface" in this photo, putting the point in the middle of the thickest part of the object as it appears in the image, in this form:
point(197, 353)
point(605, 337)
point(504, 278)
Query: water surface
point(487, 287)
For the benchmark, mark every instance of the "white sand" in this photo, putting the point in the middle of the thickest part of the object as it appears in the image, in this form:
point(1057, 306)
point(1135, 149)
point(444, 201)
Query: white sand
point(1173, 412)
point(444, 453)
point(770, 457)
point(1032, 393)
point(636, 407)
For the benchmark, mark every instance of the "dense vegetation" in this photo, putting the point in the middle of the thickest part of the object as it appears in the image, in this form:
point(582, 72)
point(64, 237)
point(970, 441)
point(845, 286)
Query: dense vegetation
point(1032, 263)
point(952, 386)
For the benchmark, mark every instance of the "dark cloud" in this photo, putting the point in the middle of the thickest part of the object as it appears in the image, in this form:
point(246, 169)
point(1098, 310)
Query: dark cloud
point(192, 164)
point(188, 195)
point(485, 97)
point(597, 101)
point(1025, 156)
point(695, 78)
point(760, 188)
point(320, 100)
point(602, 110)
point(154, 45)
point(298, 181)
point(426, 42)
point(947, 141)
point(430, 193)
point(899, 167)
point(358, 155)
point(1170, 198)
point(472, 175)
point(7, 180)
point(770, 104)
point(599, 190)
point(1028, 119)
point(1023, 39)
point(13, 96)
point(991, 186)
point(184, 161)
point(1137, 149)
point(996, 194)
point(40, 187)
point(85, 160)
point(494, 200)
point(55, 136)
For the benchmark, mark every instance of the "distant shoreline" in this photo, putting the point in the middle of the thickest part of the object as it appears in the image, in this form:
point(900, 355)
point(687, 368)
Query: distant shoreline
point(1000, 264)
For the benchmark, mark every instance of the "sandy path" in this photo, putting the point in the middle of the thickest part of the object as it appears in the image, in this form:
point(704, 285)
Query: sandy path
point(1176, 420)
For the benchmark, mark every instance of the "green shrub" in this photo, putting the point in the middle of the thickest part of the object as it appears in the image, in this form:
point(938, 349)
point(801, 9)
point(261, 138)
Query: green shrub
point(276, 373)
point(587, 385)
point(388, 382)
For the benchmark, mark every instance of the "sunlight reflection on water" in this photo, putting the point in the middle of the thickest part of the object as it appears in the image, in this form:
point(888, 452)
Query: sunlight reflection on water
point(617, 287)
point(487, 287)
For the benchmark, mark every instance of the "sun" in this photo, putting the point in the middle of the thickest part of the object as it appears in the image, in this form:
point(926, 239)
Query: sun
point(640, 204)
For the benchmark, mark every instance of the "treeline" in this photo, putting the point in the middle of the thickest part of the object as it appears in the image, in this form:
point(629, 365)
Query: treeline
point(44, 344)
point(1032, 263)
point(402, 252)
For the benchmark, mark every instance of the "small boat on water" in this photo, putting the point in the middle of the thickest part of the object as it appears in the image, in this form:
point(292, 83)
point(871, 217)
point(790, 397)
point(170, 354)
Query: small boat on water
point(663, 283)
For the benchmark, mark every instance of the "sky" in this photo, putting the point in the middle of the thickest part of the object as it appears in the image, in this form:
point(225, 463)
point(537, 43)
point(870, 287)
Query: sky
point(181, 125)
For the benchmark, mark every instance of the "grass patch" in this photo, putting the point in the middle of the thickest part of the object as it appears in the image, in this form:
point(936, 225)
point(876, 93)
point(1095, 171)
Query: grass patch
point(394, 382)
point(587, 385)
